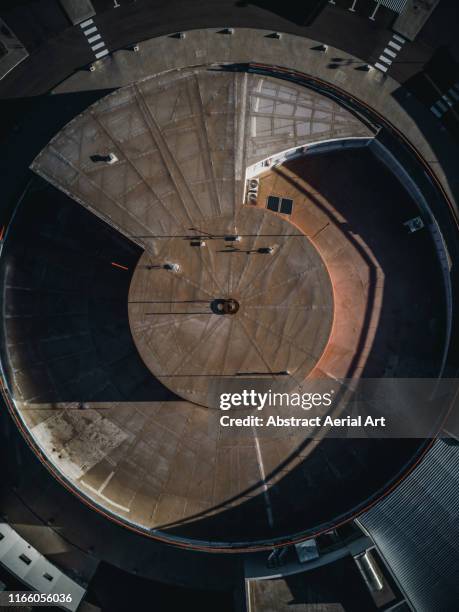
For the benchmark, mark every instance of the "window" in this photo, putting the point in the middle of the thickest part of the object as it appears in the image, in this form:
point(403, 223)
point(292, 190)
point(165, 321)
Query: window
point(25, 559)
point(277, 204)
point(286, 206)
point(47, 576)
point(273, 203)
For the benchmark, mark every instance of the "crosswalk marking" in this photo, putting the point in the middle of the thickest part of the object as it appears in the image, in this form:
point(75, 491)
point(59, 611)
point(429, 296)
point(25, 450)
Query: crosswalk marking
point(102, 53)
point(95, 42)
point(381, 67)
point(394, 46)
point(399, 38)
point(445, 101)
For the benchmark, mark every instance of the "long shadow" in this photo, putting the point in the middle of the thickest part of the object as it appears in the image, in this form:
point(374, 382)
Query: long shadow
point(80, 302)
point(66, 332)
point(444, 144)
point(303, 13)
point(26, 126)
point(341, 475)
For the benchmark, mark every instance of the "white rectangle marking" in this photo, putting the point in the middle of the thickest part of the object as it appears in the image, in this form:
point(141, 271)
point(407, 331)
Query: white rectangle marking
point(102, 53)
point(98, 46)
point(394, 45)
point(90, 31)
point(399, 38)
point(381, 67)
point(94, 38)
point(442, 105)
point(84, 24)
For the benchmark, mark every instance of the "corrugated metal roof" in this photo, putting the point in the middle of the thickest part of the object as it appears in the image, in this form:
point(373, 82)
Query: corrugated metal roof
point(416, 529)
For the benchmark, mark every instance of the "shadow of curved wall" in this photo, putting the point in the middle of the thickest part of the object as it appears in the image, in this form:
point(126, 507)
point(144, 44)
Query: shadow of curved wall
point(66, 335)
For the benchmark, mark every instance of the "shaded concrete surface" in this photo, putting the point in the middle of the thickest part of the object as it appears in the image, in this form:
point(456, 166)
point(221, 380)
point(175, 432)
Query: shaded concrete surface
point(73, 529)
point(72, 301)
point(29, 124)
point(338, 587)
point(156, 464)
point(118, 591)
point(35, 22)
point(362, 214)
point(75, 538)
point(12, 52)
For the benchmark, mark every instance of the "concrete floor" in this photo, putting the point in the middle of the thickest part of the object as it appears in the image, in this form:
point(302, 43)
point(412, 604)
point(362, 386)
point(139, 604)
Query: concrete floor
point(284, 301)
point(158, 464)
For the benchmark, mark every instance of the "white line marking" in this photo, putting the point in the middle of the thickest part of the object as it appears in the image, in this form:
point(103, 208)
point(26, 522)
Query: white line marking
point(105, 498)
point(90, 31)
point(453, 94)
point(436, 112)
point(98, 46)
point(381, 67)
point(390, 53)
point(102, 53)
point(94, 38)
point(394, 45)
point(385, 59)
point(447, 100)
point(86, 23)
point(106, 481)
point(269, 510)
point(399, 38)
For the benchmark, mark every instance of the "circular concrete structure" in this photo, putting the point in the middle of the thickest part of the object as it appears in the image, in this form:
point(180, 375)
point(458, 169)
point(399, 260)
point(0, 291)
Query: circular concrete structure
point(272, 283)
point(113, 387)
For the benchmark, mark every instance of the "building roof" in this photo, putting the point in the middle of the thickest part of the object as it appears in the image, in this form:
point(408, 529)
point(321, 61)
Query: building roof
point(416, 529)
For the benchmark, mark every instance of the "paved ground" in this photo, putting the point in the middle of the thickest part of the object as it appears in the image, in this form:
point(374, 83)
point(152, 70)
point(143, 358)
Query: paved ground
point(67, 48)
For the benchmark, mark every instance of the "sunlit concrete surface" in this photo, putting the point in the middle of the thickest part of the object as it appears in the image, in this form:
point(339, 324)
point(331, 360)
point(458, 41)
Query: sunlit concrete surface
point(133, 446)
point(379, 91)
point(183, 141)
point(142, 224)
point(281, 290)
